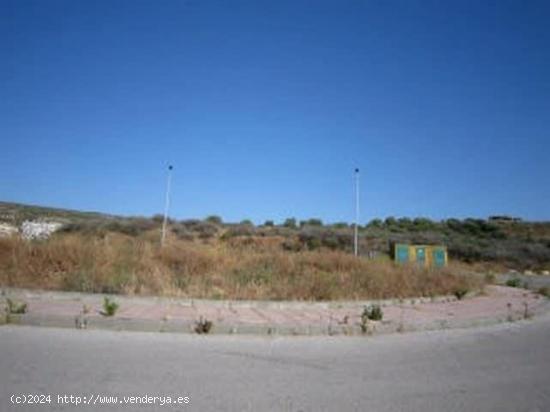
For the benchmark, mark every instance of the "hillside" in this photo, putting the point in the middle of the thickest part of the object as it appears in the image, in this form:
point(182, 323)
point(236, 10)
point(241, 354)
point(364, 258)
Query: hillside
point(306, 260)
point(16, 213)
point(500, 240)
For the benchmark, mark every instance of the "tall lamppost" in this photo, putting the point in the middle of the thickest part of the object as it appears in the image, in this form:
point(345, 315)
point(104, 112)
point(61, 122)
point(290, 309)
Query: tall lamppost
point(356, 228)
point(166, 205)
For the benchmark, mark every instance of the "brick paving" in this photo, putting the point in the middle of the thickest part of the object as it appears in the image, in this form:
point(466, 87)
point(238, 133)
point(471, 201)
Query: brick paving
point(496, 304)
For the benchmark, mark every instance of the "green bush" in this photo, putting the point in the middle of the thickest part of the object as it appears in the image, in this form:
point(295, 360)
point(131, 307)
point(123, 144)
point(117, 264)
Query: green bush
point(372, 312)
point(423, 224)
point(311, 222)
point(203, 229)
point(290, 222)
point(203, 326)
point(109, 307)
point(513, 283)
point(15, 308)
point(216, 220)
point(390, 221)
point(313, 238)
point(239, 230)
point(340, 225)
point(460, 293)
point(544, 291)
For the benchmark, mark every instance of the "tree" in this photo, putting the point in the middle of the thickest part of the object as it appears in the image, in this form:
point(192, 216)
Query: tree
point(290, 222)
point(214, 219)
point(375, 223)
point(340, 225)
point(312, 222)
point(390, 221)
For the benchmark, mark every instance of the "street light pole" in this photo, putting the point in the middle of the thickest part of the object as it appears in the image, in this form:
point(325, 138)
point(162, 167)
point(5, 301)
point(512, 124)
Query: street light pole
point(166, 205)
point(355, 234)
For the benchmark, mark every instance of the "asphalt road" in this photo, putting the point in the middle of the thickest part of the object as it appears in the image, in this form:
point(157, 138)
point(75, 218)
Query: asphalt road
point(500, 368)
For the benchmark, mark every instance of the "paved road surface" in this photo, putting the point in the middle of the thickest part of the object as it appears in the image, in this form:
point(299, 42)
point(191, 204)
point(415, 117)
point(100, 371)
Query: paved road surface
point(500, 368)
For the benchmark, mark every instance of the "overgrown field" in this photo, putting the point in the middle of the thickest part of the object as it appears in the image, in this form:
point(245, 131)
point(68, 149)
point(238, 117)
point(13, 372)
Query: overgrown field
point(500, 241)
point(252, 268)
point(292, 259)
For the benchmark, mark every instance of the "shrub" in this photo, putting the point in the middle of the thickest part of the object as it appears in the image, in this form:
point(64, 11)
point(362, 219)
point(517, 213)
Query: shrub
point(269, 223)
point(239, 230)
point(130, 227)
point(390, 221)
point(182, 232)
point(340, 225)
point(216, 220)
point(16, 308)
point(513, 283)
point(158, 218)
point(109, 307)
point(405, 223)
point(311, 222)
point(375, 223)
point(372, 312)
point(203, 229)
point(460, 293)
point(203, 326)
point(544, 291)
point(315, 237)
point(424, 224)
point(290, 222)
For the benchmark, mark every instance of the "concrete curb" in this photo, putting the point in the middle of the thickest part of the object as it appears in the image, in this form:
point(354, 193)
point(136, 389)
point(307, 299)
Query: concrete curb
point(260, 304)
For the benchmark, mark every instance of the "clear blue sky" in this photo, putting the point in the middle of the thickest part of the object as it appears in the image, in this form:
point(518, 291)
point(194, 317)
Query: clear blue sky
point(265, 107)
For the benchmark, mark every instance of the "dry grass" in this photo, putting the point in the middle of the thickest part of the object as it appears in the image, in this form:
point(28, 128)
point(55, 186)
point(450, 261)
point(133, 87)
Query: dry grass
point(118, 263)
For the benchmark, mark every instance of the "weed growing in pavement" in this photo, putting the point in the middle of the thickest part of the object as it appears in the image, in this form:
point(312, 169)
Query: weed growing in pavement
point(513, 283)
point(364, 323)
point(510, 317)
point(526, 313)
point(460, 293)
point(81, 320)
point(203, 326)
point(372, 312)
point(15, 308)
point(109, 307)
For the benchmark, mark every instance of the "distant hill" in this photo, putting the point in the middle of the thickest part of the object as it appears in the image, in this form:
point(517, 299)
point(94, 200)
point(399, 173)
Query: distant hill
point(16, 213)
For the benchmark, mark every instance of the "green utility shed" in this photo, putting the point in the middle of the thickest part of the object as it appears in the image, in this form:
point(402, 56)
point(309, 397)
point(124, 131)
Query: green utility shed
point(424, 255)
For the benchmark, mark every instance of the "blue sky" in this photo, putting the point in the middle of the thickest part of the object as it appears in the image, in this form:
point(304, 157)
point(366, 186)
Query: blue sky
point(265, 107)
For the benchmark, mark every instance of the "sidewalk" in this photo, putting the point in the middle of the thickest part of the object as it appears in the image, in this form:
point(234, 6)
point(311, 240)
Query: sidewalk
point(64, 309)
